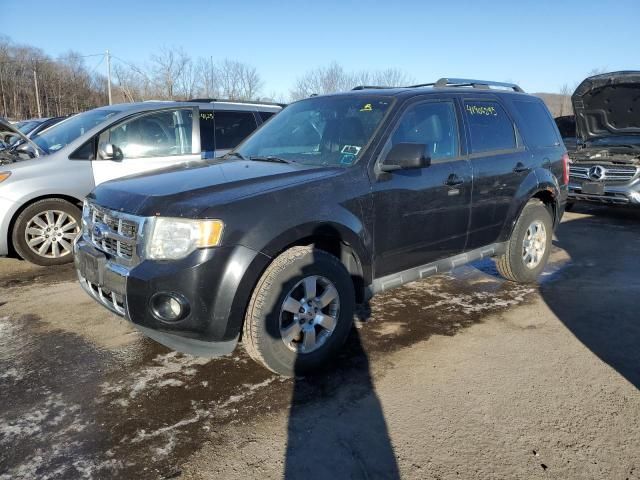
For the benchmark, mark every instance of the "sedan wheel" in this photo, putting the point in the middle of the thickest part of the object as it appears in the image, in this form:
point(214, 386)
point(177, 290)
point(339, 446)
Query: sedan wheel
point(44, 231)
point(51, 233)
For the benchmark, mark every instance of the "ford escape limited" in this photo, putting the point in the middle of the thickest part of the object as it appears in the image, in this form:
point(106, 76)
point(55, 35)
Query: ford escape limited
point(334, 199)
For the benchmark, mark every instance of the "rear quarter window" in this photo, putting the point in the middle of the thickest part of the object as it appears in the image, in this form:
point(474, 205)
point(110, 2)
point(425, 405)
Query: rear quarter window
point(536, 125)
point(490, 127)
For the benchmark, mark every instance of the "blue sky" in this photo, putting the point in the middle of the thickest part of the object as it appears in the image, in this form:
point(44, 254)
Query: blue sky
point(540, 44)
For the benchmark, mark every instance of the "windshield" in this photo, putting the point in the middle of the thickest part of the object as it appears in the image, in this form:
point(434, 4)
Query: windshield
point(28, 125)
point(320, 130)
point(614, 141)
point(60, 135)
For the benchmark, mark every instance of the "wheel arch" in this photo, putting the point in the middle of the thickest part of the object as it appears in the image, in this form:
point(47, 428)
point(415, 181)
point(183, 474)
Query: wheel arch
point(333, 238)
point(547, 191)
point(71, 199)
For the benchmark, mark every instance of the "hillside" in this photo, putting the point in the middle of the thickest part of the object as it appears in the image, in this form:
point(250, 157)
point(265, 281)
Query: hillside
point(558, 104)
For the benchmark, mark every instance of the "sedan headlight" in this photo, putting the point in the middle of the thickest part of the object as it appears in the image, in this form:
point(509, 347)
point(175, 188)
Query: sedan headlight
point(175, 238)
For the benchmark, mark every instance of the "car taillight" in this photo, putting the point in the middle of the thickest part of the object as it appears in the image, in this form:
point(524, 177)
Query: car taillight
point(565, 169)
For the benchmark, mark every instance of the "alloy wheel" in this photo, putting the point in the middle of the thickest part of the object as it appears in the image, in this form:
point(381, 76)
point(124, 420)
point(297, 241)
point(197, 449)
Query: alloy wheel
point(51, 233)
point(534, 244)
point(309, 314)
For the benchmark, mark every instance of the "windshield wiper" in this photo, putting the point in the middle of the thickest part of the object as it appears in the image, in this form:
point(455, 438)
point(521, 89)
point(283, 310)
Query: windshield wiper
point(270, 158)
point(234, 154)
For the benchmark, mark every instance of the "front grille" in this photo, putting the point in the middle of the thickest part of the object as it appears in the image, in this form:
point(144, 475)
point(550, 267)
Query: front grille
point(112, 232)
point(114, 302)
point(612, 173)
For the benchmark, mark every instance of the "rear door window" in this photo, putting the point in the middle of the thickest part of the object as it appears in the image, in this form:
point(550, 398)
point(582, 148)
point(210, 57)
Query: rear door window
point(232, 127)
point(266, 115)
point(536, 124)
point(490, 127)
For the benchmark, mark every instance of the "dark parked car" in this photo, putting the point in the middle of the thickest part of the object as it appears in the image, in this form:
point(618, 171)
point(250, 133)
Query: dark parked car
point(567, 127)
point(334, 199)
point(34, 126)
point(606, 166)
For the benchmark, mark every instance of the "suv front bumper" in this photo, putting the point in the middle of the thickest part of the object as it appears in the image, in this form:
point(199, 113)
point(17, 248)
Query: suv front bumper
point(216, 283)
point(628, 194)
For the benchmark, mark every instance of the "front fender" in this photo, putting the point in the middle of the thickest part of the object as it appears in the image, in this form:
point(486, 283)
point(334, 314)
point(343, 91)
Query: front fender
point(350, 234)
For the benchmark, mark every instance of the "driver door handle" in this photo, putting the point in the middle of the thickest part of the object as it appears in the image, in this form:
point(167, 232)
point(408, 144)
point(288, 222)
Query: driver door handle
point(453, 180)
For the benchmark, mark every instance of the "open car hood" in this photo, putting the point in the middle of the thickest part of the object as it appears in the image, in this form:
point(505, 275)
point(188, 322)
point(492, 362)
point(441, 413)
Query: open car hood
point(608, 105)
point(7, 151)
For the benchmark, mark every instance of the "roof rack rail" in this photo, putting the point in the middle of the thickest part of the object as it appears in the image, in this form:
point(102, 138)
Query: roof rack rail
point(249, 102)
point(452, 82)
point(370, 87)
point(468, 82)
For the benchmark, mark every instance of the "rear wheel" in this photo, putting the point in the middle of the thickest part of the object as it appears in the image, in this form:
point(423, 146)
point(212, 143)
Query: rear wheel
point(530, 245)
point(300, 312)
point(44, 232)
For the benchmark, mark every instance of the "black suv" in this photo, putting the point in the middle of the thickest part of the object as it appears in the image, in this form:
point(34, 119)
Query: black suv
point(334, 199)
point(606, 166)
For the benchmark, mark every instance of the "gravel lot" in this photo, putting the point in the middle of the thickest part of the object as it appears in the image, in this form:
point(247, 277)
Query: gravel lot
point(457, 376)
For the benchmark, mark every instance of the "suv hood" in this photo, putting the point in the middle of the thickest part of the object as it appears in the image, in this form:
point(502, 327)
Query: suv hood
point(608, 105)
point(187, 190)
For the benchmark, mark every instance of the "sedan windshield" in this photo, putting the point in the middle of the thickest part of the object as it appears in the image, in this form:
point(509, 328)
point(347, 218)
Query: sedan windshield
point(60, 135)
point(319, 131)
point(28, 125)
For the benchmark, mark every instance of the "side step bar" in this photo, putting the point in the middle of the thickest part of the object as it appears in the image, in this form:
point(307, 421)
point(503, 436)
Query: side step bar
point(440, 266)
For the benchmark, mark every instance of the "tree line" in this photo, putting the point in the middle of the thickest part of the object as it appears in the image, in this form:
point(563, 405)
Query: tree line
point(33, 83)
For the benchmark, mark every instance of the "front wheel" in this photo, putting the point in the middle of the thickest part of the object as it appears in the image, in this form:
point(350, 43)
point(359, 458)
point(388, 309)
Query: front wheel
point(44, 232)
point(300, 312)
point(530, 245)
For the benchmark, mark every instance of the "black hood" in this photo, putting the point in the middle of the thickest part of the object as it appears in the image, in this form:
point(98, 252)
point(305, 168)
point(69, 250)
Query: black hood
point(608, 105)
point(187, 190)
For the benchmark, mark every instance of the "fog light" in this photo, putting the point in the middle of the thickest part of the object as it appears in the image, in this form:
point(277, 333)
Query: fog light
point(169, 307)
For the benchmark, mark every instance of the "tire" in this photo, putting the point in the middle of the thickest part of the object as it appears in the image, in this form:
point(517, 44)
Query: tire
point(64, 221)
point(569, 206)
point(524, 266)
point(275, 336)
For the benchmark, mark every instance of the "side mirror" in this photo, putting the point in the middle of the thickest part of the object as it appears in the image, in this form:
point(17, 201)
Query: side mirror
point(404, 156)
point(26, 150)
point(108, 151)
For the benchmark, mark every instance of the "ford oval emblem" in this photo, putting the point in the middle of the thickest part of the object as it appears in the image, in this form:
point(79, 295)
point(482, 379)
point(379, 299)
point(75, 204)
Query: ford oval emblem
point(99, 231)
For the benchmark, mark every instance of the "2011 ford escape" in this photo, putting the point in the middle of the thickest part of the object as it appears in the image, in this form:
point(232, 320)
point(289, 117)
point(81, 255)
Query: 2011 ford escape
point(337, 198)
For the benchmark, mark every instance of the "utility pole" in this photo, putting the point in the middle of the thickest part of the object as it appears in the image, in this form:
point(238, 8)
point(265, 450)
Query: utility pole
point(210, 83)
point(109, 75)
point(35, 81)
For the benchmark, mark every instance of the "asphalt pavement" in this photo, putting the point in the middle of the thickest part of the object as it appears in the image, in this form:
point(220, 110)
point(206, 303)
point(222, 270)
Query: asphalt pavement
point(456, 376)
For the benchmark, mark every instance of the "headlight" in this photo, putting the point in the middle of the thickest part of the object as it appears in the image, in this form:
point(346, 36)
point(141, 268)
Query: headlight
point(174, 238)
point(4, 176)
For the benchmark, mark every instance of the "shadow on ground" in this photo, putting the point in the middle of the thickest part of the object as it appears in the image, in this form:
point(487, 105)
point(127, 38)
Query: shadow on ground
point(597, 295)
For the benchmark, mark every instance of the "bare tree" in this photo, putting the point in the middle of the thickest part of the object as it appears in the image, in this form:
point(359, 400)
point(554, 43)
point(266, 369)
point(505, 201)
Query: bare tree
point(597, 71)
point(236, 80)
point(565, 101)
point(333, 78)
point(167, 67)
